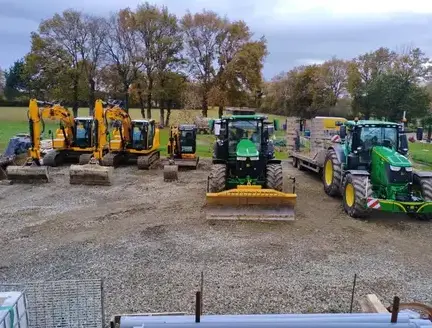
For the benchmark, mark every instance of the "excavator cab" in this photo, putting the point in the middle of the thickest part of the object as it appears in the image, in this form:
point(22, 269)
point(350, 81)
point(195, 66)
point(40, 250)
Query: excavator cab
point(187, 138)
point(143, 132)
point(83, 132)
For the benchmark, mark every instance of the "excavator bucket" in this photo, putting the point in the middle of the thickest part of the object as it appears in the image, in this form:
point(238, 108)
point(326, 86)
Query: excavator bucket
point(91, 175)
point(251, 203)
point(27, 174)
point(170, 172)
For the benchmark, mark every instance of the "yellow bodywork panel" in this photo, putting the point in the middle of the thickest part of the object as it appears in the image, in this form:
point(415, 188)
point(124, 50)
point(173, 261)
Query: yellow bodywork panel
point(251, 202)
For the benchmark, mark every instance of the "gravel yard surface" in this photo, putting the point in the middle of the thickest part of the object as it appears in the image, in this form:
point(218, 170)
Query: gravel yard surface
point(150, 241)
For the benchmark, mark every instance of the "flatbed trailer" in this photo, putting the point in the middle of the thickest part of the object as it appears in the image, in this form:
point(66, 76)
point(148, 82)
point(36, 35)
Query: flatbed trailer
point(309, 160)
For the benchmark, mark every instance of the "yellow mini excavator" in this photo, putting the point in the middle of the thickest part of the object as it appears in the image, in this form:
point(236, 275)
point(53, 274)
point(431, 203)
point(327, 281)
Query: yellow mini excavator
point(80, 138)
point(181, 150)
point(132, 140)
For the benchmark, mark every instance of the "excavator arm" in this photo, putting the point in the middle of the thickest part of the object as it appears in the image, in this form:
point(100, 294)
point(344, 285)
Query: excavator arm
point(116, 113)
point(64, 116)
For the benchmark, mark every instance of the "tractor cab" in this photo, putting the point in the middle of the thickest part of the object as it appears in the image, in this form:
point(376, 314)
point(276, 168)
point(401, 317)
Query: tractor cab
point(187, 138)
point(142, 134)
point(83, 130)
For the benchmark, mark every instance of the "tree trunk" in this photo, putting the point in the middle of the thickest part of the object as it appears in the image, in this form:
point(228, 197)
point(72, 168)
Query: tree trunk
point(161, 115)
point(149, 98)
point(169, 106)
point(92, 87)
point(221, 109)
point(141, 100)
point(75, 98)
point(204, 104)
point(126, 96)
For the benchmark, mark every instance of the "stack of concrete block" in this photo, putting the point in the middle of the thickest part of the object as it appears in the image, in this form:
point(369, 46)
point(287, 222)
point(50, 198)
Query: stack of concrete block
point(292, 128)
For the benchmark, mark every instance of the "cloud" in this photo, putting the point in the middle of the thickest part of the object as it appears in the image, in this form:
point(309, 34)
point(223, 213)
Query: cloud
point(298, 31)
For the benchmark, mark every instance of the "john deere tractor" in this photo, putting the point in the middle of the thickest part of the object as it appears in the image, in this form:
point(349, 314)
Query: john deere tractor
point(369, 168)
point(246, 181)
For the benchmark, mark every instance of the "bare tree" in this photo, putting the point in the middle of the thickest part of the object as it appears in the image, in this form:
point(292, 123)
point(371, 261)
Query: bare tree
point(93, 35)
point(202, 33)
point(160, 44)
point(335, 77)
point(122, 50)
point(2, 82)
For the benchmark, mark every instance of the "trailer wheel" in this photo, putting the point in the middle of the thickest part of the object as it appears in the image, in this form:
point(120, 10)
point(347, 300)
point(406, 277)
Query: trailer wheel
point(426, 191)
point(217, 178)
point(355, 195)
point(274, 178)
point(332, 174)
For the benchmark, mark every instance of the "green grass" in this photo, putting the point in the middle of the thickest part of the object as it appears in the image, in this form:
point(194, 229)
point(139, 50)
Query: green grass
point(421, 153)
point(13, 120)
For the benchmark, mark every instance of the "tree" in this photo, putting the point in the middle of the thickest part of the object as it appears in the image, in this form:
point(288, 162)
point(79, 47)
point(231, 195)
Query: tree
point(2, 82)
point(202, 34)
point(390, 94)
point(335, 77)
point(92, 33)
point(122, 50)
point(160, 45)
point(65, 33)
point(413, 65)
point(15, 82)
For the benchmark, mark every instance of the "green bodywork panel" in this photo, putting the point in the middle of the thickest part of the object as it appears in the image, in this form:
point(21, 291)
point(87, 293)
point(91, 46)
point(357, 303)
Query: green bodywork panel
point(388, 205)
point(246, 148)
point(390, 156)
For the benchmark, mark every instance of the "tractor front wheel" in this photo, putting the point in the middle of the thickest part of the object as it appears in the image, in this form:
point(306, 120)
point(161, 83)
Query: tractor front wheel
point(217, 178)
point(426, 191)
point(274, 178)
point(332, 174)
point(356, 190)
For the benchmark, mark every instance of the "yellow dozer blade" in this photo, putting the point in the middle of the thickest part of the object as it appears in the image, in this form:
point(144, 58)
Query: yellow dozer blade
point(90, 174)
point(251, 203)
point(27, 174)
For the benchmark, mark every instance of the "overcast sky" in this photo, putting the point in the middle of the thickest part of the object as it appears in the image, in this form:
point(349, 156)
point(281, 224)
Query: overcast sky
point(298, 31)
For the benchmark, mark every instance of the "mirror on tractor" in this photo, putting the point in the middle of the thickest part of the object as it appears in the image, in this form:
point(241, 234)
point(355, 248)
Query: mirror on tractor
point(342, 132)
point(217, 127)
point(49, 132)
point(403, 144)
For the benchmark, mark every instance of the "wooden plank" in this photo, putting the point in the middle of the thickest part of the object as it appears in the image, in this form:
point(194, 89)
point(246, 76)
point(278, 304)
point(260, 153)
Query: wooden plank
point(371, 304)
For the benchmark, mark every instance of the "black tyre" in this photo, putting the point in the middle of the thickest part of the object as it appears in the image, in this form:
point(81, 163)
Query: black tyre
point(356, 190)
point(426, 191)
point(332, 174)
point(274, 177)
point(217, 178)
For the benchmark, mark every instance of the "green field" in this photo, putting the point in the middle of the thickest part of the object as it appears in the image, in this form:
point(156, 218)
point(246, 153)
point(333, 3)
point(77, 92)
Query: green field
point(13, 120)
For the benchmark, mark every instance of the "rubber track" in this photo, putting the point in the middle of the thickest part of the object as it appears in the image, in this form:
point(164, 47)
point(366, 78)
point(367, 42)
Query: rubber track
point(144, 162)
point(84, 159)
point(50, 158)
point(110, 159)
point(274, 177)
point(335, 188)
point(359, 210)
point(217, 178)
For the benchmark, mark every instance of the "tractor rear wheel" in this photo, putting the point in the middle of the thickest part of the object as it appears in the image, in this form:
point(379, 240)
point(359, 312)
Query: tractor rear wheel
point(217, 178)
point(356, 190)
point(426, 191)
point(332, 174)
point(274, 178)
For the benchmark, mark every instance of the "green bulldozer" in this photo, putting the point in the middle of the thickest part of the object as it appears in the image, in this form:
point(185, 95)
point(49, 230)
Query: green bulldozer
point(370, 169)
point(246, 180)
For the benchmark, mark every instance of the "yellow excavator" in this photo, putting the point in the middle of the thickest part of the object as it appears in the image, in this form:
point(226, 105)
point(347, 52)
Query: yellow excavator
point(77, 139)
point(181, 150)
point(131, 140)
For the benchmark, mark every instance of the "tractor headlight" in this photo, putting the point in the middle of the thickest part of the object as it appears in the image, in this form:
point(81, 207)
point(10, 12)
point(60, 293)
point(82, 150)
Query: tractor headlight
point(254, 158)
point(395, 168)
point(241, 158)
point(408, 169)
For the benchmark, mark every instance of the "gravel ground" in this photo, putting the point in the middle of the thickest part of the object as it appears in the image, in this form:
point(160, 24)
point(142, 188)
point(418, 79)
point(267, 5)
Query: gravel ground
point(150, 241)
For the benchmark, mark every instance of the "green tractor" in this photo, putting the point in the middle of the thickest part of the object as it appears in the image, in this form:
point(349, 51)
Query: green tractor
point(246, 181)
point(370, 169)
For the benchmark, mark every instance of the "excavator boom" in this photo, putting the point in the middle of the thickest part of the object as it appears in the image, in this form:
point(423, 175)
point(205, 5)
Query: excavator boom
point(92, 173)
point(32, 171)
